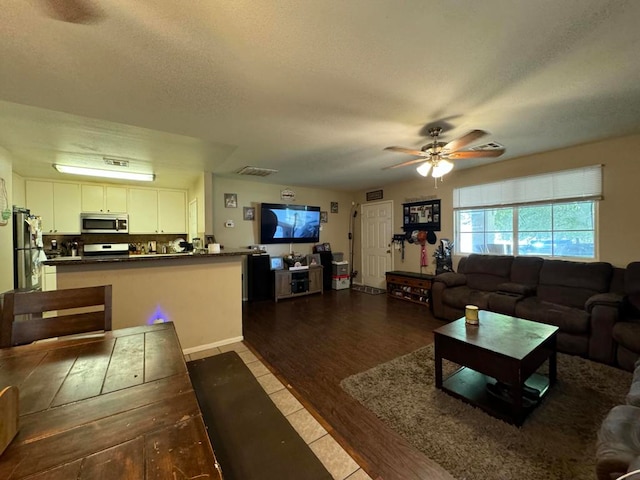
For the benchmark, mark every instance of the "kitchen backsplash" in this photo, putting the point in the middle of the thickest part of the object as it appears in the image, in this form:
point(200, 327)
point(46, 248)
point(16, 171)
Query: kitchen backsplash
point(64, 241)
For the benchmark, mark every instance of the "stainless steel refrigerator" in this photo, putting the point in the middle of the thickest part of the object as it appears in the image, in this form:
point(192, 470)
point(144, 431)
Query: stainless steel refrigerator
point(27, 250)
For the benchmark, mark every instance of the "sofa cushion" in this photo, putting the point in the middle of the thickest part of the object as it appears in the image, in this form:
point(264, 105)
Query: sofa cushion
point(459, 297)
point(526, 270)
point(486, 272)
point(567, 319)
point(517, 289)
point(632, 278)
point(572, 283)
point(627, 334)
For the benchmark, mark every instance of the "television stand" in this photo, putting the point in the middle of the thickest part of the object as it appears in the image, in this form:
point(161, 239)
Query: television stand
point(296, 283)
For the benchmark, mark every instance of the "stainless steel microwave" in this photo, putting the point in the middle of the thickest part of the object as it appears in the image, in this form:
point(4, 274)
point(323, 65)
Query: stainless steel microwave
point(104, 222)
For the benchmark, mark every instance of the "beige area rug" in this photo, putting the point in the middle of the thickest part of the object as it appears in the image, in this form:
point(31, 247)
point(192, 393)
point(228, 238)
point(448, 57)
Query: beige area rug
point(557, 441)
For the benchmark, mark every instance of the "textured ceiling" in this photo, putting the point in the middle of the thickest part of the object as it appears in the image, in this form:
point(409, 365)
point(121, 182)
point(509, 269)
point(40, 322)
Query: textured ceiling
point(313, 88)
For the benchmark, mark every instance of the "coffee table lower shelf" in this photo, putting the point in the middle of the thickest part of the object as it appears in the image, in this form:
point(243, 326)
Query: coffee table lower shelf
point(471, 387)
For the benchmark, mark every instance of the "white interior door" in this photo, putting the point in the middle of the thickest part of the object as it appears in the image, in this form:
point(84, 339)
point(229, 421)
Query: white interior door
point(377, 226)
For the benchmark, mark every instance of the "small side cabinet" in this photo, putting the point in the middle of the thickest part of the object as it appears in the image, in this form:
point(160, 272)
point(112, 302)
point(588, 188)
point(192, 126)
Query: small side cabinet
point(295, 283)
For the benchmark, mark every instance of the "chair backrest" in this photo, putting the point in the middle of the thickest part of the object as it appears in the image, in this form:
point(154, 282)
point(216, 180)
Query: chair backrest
point(22, 321)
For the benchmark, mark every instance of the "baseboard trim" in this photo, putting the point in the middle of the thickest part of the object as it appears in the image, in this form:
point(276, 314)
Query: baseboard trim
point(207, 346)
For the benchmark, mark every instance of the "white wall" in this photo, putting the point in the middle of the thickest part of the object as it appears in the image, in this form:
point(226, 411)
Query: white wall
point(6, 231)
point(19, 191)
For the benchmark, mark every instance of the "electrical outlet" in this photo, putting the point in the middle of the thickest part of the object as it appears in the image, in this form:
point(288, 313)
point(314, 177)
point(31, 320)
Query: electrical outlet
point(229, 224)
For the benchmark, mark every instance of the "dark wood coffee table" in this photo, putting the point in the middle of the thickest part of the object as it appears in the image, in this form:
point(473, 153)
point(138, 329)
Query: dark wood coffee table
point(502, 350)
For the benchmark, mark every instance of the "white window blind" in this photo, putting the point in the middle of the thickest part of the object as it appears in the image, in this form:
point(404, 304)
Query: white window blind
point(566, 185)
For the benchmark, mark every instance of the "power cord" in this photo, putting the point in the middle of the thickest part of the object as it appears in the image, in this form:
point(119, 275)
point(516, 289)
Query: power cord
point(628, 474)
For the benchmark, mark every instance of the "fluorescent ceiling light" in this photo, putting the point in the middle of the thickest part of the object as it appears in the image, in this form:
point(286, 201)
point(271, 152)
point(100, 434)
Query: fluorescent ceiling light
point(94, 172)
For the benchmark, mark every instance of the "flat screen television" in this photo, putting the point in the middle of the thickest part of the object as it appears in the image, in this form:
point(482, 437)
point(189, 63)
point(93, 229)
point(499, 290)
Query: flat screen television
point(281, 223)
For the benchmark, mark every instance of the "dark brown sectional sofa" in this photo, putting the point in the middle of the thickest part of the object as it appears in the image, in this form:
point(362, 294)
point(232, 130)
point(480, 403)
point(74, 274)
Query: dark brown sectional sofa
point(582, 299)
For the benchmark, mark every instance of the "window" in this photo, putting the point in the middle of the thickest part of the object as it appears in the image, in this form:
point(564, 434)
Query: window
point(548, 230)
point(552, 215)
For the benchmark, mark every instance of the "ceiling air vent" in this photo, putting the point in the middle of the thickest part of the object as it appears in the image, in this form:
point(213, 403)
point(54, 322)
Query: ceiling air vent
point(487, 146)
point(256, 171)
point(116, 162)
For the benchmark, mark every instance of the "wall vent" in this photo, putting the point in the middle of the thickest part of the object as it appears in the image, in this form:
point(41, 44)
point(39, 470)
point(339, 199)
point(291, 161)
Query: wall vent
point(256, 171)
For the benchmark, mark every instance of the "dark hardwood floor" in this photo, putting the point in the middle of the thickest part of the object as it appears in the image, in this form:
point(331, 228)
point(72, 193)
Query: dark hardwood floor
point(314, 342)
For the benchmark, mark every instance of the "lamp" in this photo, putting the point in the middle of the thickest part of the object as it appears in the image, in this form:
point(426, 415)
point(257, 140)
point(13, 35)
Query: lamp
point(94, 172)
point(423, 168)
point(441, 168)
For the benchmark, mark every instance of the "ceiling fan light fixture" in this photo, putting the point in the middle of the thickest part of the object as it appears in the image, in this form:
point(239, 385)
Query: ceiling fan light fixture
point(94, 172)
point(441, 168)
point(423, 168)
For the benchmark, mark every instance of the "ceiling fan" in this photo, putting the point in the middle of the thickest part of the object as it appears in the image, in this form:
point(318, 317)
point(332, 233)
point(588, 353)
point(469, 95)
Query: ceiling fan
point(73, 11)
point(435, 156)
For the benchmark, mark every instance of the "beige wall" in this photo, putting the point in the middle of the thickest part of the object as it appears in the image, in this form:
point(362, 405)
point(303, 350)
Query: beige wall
point(618, 231)
point(6, 232)
point(252, 194)
point(19, 191)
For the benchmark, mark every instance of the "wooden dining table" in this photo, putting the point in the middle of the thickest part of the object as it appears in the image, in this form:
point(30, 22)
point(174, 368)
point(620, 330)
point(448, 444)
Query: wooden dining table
point(117, 405)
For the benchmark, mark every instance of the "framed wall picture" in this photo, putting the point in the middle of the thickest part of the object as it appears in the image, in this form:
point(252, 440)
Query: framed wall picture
point(324, 217)
point(231, 200)
point(334, 207)
point(422, 216)
point(249, 213)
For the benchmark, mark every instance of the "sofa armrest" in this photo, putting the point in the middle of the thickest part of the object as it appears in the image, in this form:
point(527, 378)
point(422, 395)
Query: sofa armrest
point(604, 310)
point(517, 289)
point(613, 300)
point(451, 279)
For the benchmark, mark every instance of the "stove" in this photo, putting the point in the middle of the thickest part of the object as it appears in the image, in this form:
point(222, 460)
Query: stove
point(106, 250)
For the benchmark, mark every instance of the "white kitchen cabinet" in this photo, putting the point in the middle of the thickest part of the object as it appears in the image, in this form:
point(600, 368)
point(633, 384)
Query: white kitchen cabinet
point(104, 198)
point(116, 199)
point(57, 203)
point(39, 197)
point(49, 279)
point(172, 211)
point(92, 198)
point(157, 211)
point(66, 208)
point(143, 210)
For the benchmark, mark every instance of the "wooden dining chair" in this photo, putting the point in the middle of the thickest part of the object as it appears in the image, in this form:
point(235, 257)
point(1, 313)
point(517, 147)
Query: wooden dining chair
point(23, 321)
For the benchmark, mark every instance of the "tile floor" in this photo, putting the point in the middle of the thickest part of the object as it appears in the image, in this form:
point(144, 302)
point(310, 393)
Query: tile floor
point(335, 459)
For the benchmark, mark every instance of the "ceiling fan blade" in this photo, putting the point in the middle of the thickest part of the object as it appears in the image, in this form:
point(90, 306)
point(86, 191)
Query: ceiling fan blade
point(476, 154)
point(463, 141)
point(410, 162)
point(410, 151)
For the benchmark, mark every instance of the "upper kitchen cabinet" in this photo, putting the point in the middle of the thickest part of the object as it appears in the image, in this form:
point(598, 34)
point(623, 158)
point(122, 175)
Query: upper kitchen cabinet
point(57, 203)
point(143, 211)
point(172, 211)
point(157, 211)
point(103, 198)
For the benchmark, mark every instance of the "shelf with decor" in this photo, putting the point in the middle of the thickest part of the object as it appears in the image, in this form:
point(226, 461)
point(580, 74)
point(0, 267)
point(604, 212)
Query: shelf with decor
point(410, 286)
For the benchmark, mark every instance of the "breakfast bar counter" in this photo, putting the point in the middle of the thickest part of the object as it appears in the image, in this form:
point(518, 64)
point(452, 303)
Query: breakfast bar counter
point(200, 293)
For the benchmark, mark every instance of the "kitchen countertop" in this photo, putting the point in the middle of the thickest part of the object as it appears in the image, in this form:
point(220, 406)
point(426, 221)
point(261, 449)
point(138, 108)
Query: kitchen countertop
point(84, 260)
